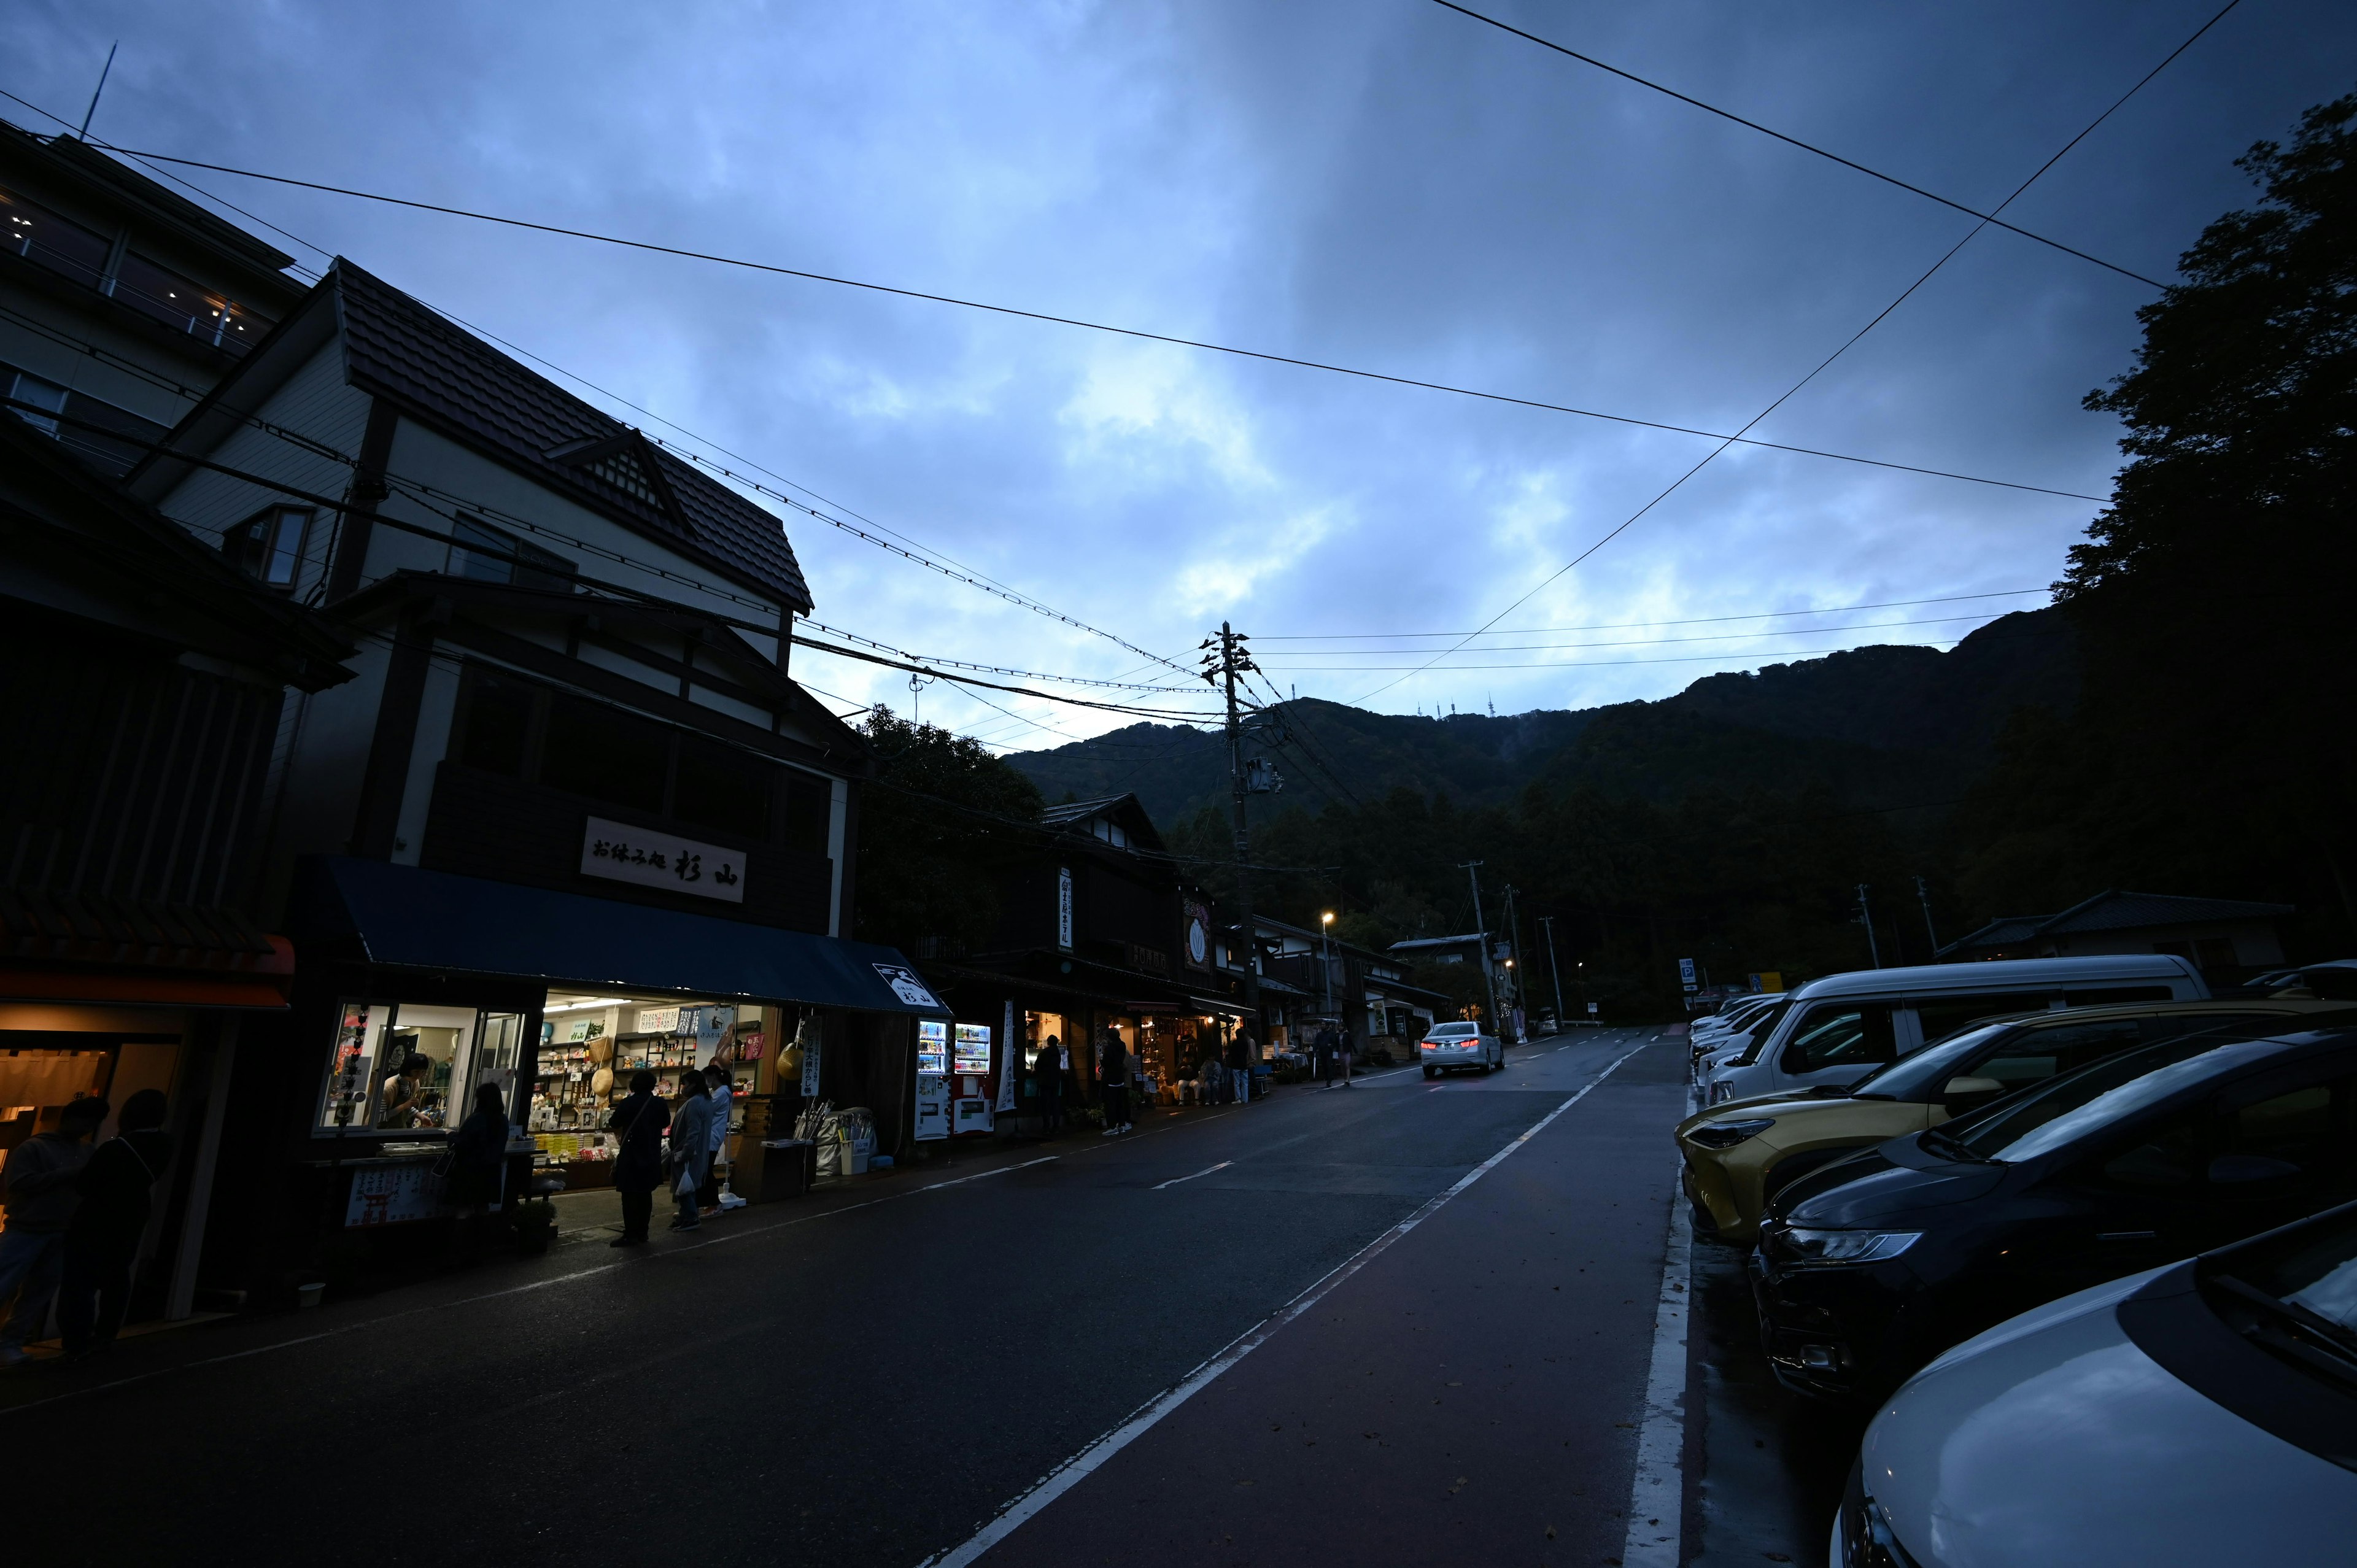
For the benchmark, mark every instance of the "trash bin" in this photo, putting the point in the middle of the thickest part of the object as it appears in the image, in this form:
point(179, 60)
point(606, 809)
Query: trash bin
point(781, 1167)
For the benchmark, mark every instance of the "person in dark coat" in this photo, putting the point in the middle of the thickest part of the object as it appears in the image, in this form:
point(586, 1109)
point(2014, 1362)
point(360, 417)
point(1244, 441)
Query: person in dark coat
point(1114, 1085)
point(691, 1147)
point(1047, 1073)
point(641, 1120)
point(1240, 1058)
point(1327, 1043)
point(117, 1189)
point(479, 1152)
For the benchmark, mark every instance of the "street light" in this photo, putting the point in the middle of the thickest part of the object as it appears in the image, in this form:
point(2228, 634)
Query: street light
point(1326, 937)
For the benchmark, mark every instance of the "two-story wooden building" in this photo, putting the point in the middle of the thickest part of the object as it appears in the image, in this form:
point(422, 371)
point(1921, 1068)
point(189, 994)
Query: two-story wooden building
point(570, 815)
point(1099, 937)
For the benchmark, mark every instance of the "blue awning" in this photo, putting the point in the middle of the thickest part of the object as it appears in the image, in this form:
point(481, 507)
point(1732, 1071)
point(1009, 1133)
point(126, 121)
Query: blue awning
point(409, 918)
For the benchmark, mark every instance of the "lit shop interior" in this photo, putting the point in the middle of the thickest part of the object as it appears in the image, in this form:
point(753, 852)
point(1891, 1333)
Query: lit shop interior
point(405, 1067)
point(592, 1045)
point(80, 1055)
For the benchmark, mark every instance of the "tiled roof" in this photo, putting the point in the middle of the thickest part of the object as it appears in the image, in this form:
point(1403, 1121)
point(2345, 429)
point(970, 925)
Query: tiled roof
point(451, 379)
point(1078, 811)
point(2116, 911)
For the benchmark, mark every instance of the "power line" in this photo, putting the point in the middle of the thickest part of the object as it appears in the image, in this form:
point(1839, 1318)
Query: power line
point(907, 548)
point(1642, 625)
point(1990, 218)
point(1132, 332)
point(1634, 642)
point(1790, 392)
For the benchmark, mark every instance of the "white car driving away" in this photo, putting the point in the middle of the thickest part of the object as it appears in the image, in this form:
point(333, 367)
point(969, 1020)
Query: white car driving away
point(1449, 1046)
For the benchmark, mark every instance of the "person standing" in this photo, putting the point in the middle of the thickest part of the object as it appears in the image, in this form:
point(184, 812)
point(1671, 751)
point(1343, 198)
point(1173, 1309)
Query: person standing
point(1347, 1044)
point(691, 1147)
point(101, 1240)
point(479, 1153)
point(724, 1100)
point(1240, 1057)
point(640, 1119)
point(37, 1188)
point(1325, 1047)
point(1047, 1077)
point(1115, 1084)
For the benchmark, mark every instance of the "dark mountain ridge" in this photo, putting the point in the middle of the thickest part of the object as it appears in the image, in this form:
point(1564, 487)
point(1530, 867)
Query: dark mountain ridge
point(1882, 728)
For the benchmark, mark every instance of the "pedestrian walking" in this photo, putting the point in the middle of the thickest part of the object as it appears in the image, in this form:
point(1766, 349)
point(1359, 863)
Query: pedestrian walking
point(1240, 1058)
point(478, 1170)
point(116, 1187)
point(1347, 1043)
point(691, 1147)
point(1047, 1077)
point(1115, 1084)
point(38, 1189)
point(1326, 1046)
point(639, 1118)
point(724, 1100)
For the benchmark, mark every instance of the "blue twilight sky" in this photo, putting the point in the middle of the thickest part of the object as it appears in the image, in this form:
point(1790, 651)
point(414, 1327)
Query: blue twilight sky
point(1382, 184)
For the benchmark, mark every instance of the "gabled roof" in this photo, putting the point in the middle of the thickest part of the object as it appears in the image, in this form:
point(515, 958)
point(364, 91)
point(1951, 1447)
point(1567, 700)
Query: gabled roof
point(454, 384)
point(2114, 910)
point(456, 381)
point(1075, 815)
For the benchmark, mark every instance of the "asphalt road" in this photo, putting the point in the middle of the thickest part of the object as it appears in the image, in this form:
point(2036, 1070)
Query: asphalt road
point(873, 1375)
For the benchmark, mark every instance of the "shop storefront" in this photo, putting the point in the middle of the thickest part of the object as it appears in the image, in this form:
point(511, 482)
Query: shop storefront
point(426, 986)
point(90, 1010)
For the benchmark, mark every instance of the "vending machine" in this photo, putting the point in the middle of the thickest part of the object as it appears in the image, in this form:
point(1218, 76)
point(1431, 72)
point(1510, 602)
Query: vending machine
point(970, 1097)
point(932, 1080)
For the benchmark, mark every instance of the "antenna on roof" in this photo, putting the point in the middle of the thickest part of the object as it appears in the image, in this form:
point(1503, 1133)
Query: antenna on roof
point(84, 135)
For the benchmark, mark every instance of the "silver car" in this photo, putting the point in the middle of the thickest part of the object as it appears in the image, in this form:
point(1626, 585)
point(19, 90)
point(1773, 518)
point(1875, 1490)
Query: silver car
point(1448, 1046)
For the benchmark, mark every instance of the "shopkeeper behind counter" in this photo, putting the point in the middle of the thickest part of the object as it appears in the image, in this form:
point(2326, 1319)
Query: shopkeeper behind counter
point(404, 1092)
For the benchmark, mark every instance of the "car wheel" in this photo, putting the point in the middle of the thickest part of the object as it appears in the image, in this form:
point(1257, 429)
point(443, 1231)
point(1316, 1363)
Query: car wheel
point(1432, 1073)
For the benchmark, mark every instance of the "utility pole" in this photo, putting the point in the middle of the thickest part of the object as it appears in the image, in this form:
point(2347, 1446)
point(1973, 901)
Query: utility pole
point(1488, 981)
point(1514, 946)
point(1923, 897)
point(1554, 967)
point(1223, 659)
point(1866, 918)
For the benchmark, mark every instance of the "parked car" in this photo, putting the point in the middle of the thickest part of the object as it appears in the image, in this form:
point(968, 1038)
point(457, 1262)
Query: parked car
point(2201, 1413)
point(1735, 1017)
point(1446, 1048)
point(1871, 1266)
point(1842, 1027)
point(1740, 1155)
point(1726, 1048)
point(2334, 980)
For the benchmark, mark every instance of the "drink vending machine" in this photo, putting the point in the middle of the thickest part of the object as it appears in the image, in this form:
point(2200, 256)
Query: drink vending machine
point(970, 1097)
point(933, 1078)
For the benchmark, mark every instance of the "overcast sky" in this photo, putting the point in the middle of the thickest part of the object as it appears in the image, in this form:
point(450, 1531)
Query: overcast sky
point(1381, 183)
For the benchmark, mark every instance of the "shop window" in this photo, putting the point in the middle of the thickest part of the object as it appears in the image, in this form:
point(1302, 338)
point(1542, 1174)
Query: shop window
point(499, 556)
point(719, 786)
point(498, 725)
point(810, 813)
point(268, 546)
point(60, 244)
point(605, 754)
point(400, 1068)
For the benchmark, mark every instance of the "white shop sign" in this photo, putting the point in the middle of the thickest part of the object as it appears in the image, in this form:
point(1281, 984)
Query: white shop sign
point(394, 1194)
point(620, 853)
point(1064, 908)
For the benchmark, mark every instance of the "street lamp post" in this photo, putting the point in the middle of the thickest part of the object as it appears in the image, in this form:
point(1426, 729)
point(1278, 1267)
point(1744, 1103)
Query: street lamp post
point(1554, 967)
point(1325, 935)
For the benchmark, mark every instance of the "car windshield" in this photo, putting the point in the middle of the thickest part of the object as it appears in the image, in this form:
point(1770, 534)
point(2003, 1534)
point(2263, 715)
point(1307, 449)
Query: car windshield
point(1929, 1069)
point(1761, 1028)
point(2313, 1267)
point(2041, 1120)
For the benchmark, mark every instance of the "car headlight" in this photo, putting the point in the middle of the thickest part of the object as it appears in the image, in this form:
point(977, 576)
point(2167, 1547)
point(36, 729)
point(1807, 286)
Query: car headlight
point(1846, 1246)
point(1727, 1134)
point(1868, 1540)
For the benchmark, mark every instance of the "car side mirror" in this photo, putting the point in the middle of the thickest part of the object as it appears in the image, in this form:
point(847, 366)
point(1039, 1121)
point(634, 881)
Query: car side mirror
point(2237, 1170)
point(1959, 1088)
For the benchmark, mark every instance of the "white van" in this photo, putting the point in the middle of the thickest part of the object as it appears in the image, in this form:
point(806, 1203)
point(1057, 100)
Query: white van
point(1842, 1027)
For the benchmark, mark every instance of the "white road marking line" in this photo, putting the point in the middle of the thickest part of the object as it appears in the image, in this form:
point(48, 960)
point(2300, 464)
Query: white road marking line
point(1657, 1494)
point(1207, 1170)
point(1084, 1463)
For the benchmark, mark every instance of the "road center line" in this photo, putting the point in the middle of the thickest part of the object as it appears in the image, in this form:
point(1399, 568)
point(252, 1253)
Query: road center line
point(1089, 1460)
point(1207, 1170)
